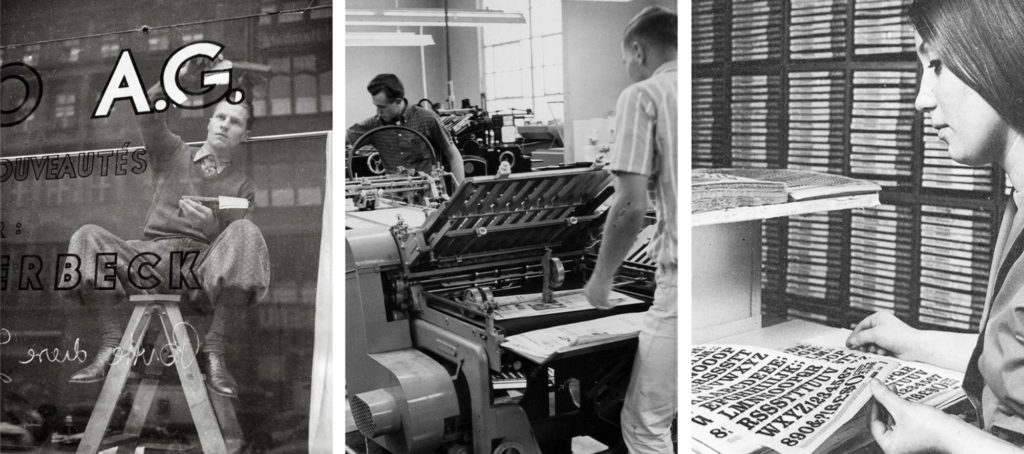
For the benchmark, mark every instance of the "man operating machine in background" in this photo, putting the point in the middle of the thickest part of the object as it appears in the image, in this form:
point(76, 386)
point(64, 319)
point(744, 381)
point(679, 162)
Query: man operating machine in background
point(393, 109)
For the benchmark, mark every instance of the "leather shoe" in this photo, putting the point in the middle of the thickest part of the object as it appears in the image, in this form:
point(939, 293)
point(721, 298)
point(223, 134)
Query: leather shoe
point(96, 370)
point(218, 378)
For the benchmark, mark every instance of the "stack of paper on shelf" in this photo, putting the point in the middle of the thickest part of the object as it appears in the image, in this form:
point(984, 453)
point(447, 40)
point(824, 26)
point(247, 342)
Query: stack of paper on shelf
point(717, 189)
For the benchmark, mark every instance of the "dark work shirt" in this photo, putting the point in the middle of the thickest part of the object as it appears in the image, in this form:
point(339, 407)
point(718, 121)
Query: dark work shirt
point(401, 148)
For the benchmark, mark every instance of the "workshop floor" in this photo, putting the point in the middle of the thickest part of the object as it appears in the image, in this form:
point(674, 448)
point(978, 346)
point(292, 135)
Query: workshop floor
point(357, 444)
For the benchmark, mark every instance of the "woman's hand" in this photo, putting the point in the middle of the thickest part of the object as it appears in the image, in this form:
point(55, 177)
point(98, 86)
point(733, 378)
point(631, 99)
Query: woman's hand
point(905, 427)
point(900, 426)
point(882, 333)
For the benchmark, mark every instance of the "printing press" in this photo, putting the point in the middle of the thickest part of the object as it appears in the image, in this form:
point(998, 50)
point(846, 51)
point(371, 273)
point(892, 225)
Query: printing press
point(423, 190)
point(425, 370)
point(372, 177)
point(486, 140)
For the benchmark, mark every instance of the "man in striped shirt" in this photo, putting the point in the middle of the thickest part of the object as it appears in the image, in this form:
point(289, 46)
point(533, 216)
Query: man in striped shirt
point(644, 156)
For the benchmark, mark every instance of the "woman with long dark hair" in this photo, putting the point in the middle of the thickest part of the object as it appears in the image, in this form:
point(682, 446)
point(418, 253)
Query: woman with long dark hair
point(972, 89)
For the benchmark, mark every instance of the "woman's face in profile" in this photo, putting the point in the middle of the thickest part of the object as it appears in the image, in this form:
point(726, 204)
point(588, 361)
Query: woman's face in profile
point(976, 134)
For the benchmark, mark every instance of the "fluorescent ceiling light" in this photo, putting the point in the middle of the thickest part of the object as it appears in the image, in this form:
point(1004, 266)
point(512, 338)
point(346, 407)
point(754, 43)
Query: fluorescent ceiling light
point(430, 17)
point(387, 39)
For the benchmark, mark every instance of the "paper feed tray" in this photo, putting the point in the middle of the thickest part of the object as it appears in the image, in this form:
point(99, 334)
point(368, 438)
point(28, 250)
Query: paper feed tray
point(521, 212)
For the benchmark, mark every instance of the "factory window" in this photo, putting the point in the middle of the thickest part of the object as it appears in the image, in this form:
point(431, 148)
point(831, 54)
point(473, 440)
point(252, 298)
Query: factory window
point(281, 95)
point(31, 55)
point(549, 73)
point(110, 47)
point(272, 6)
point(305, 63)
point(262, 196)
point(297, 87)
point(72, 49)
point(267, 6)
point(188, 37)
point(309, 193)
point(523, 63)
point(304, 84)
point(158, 40)
point(280, 89)
point(321, 13)
point(290, 6)
point(305, 94)
point(259, 100)
point(507, 76)
point(64, 112)
point(282, 190)
point(325, 91)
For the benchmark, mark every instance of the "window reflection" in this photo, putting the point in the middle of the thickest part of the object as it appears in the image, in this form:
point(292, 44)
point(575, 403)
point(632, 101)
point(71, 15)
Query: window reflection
point(271, 349)
point(273, 340)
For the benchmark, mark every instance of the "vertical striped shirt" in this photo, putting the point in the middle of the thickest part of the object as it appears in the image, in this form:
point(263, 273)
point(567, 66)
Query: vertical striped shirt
point(646, 143)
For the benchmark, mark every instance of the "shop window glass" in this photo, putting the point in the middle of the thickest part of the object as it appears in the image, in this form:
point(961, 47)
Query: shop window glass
point(71, 171)
point(305, 93)
point(325, 91)
point(281, 95)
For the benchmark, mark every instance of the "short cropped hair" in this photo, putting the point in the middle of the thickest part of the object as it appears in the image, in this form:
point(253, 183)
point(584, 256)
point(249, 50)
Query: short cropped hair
point(389, 84)
point(654, 26)
point(247, 104)
point(980, 42)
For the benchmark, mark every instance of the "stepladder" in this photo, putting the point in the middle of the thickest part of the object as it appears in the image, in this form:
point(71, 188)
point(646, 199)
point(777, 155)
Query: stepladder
point(213, 415)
